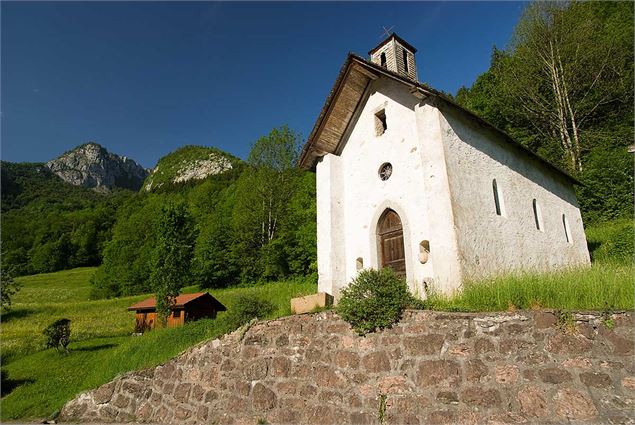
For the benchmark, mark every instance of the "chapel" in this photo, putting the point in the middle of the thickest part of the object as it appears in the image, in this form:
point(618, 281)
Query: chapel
point(408, 179)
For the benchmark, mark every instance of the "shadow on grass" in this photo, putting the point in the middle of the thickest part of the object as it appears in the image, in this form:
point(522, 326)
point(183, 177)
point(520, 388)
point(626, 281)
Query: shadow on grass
point(94, 347)
point(592, 246)
point(9, 385)
point(15, 314)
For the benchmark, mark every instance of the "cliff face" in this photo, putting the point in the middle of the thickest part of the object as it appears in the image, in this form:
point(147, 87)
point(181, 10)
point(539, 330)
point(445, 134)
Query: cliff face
point(433, 368)
point(92, 166)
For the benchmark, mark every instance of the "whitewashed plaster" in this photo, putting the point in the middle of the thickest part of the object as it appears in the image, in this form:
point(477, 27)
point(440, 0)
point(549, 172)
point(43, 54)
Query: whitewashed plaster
point(490, 244)
point(350, 209)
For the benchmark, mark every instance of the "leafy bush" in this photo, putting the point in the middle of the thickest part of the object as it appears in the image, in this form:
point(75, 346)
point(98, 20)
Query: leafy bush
point(374, 300)
point(58, 334)
point(247, 307)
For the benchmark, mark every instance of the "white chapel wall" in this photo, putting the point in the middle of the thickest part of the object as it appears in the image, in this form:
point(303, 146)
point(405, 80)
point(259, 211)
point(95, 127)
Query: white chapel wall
point(359, 196)
point(490, 244)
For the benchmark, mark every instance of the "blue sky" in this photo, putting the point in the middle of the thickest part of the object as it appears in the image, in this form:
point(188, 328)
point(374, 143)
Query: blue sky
point(143, 78)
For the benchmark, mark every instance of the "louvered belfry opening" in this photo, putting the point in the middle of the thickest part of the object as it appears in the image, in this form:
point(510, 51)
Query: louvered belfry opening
point(391, 244)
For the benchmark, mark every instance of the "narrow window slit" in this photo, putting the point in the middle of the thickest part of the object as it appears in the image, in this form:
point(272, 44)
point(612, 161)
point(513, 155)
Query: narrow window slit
point(537, 215)
point(405, 60)
point(497, 198)
point(381, 124)
point(567, 231)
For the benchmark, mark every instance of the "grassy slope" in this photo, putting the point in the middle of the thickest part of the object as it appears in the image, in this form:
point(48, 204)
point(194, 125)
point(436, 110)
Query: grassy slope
point(601, 287)
point(607, 285)
point(101, 330)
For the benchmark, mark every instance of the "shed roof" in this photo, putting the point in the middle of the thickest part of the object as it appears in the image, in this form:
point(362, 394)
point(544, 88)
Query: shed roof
point(354, 76)
point(180, 302)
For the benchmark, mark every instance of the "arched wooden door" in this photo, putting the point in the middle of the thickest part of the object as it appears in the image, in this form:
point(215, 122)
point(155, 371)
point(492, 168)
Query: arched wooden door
point(391, 247)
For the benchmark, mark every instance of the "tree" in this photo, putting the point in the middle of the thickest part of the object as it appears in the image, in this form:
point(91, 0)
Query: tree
point(263, 193)
point(128, 257)
point(172, 256)
point(215, 262)
point(58, 334)
point(571, 63)
point(9, 287)
point(273, 160)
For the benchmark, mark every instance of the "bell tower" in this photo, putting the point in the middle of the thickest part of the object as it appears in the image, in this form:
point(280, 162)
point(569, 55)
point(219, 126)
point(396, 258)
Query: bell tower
point(396, 55)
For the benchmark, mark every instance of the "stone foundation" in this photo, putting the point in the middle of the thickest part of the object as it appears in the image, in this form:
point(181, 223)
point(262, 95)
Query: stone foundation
point(432, 368)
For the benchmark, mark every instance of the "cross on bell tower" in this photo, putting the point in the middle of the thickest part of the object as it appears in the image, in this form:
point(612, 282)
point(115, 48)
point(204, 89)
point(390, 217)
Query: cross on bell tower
point(396, 55)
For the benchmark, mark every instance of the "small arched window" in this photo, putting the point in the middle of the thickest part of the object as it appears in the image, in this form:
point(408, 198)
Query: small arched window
point(382, 59)
point(424, 251)
point(498, 199)
point(567, 231)
point(381, 125)
point(405, 60)
point(537, 215)
point(359, 263)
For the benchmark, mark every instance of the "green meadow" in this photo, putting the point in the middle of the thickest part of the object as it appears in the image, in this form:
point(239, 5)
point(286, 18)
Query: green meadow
point(41, 380)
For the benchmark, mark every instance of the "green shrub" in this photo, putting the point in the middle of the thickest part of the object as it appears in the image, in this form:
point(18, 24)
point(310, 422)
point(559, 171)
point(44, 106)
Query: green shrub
point(248, 307)
point(374, 300)
point(58, 334)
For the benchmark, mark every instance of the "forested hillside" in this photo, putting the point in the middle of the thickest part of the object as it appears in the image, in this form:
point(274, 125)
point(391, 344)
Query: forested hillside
point(564, 88)
point(252, 222)
point(48, 224)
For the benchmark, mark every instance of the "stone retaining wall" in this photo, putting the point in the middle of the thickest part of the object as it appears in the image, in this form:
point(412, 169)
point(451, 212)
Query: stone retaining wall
point(432, 368)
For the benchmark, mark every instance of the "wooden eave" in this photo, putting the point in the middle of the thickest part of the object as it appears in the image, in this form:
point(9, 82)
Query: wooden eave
point(337, 112)
point(348, 91)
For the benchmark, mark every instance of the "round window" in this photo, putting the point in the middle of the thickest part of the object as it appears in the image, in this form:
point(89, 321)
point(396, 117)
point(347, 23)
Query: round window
point(385, 171)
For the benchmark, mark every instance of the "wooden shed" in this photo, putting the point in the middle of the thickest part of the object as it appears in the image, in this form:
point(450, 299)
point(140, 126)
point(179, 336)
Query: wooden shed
point(187, 308)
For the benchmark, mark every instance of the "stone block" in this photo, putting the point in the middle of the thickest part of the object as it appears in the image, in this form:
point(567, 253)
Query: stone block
point(596, 379)
point(554, 375)
point(104, 393)
point(309, 303)
point(574, 405)
point(506, 374)
point(532, 402)
point(263, 398)
point(478, 396)
point(377, 362)
point(437, 372)
point(545, 319)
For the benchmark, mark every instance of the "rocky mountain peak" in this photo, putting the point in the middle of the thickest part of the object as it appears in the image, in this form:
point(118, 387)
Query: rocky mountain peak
point(91, 165)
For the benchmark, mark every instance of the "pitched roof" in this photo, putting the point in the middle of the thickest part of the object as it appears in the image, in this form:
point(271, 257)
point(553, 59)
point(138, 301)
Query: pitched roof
point(395, 37)
point(310, 152)
point(180, 302)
